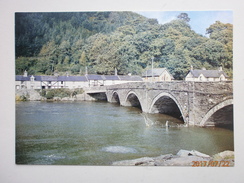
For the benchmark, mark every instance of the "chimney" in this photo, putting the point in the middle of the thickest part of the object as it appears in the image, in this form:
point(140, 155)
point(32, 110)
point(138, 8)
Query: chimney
point(191, 68)
point(220, 69)
point(115, 72)
point(203, 68)
point(25, 73)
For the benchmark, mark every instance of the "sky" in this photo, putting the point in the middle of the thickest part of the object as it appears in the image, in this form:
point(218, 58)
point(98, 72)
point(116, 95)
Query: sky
point(200, 20)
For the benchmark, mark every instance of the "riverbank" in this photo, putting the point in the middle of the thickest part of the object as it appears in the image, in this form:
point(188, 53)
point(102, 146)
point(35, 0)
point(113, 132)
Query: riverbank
point(43, 95)
point(183, 158)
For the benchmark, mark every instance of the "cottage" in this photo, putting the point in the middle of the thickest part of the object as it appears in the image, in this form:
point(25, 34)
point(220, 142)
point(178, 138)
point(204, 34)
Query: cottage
point(157, 74)
point(206, 75)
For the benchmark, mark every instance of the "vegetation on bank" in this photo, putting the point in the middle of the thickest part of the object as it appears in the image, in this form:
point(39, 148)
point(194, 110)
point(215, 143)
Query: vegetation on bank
point(47, 94)
point(21, 98)
point(48, 43)
point(60, 93)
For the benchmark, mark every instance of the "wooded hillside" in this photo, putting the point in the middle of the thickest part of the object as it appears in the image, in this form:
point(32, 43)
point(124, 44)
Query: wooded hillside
point(102, 41)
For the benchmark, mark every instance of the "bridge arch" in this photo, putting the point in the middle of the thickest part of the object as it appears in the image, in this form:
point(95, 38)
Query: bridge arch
point(221, 111)
point(115, 98)
point(132, 99)
point(166, 103)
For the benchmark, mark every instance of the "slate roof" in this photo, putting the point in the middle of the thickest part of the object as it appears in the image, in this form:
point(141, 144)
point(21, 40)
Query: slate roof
point(156, 72)
point(72, 78)
point(22, 78)
point(49, 78)
point(79, 78)
point(130, 78)
point(111, 77)
point(208, 73)
point(94, 77)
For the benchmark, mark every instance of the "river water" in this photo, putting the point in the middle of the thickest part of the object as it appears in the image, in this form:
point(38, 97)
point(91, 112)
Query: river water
point(99, 133)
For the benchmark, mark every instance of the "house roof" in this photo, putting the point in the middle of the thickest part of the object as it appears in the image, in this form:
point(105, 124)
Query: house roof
point(49, 78)
point(72, 78)
point(111, 77)
point(130, 78)
point(208, 73)
point(79, 78)
point(156, 72)
point(22, 78)
point(94, 77)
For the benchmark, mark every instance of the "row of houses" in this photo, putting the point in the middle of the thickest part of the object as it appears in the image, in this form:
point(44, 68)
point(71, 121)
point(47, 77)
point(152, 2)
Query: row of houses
point(46, 82)
point(88, 80)
point(162, 74)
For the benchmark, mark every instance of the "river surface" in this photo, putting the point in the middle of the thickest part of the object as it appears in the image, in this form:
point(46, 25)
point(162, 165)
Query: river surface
point(99, 133)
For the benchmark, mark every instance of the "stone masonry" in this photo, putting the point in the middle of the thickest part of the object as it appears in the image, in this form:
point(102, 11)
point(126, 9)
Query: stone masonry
point(194, 102)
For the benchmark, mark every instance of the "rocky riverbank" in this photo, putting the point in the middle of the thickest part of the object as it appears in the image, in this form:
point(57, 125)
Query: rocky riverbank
point(34, 95)
point(183, 158)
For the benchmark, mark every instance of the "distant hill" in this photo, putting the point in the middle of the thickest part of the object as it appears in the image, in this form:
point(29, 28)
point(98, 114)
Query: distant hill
point(102, 41)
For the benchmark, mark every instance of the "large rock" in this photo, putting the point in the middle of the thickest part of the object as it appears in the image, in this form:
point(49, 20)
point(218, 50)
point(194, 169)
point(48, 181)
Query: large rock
point(183, 158)
point(28, 94)
point(184, 153)
point(224, 155)
point(139, 161)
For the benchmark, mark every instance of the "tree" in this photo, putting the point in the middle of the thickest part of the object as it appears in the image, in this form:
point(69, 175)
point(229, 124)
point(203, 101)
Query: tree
point(83, 59)
point(184, 16)
point(223, 33)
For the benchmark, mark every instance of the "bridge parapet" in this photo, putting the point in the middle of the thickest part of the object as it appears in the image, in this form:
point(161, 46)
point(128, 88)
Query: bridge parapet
point(207, 87)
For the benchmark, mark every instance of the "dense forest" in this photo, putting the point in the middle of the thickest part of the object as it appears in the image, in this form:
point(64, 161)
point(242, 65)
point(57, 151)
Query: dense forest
point(48, 43)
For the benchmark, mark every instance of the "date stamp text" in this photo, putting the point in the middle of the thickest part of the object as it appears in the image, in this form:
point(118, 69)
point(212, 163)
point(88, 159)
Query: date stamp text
point(211, 163)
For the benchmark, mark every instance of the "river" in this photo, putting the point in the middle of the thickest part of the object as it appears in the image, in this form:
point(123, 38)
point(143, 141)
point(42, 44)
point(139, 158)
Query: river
point(99, 133)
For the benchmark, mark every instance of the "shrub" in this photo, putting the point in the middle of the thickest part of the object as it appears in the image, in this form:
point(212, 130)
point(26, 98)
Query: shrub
point(60, 92)
point(20, 98)
point(50, 94)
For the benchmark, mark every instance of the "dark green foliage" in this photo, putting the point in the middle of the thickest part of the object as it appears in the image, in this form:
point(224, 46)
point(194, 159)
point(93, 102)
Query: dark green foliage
point(60, 92)
point(50, 94)
point(184, 16)
point(102, 41)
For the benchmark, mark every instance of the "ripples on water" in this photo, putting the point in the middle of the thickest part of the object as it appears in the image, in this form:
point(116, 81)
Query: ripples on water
point(98, 133)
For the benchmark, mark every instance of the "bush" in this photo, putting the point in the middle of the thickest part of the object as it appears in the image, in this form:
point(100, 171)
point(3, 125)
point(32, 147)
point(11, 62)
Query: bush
point(50, 94)
point(43, 93)
point(60, 92)
point(20, 98)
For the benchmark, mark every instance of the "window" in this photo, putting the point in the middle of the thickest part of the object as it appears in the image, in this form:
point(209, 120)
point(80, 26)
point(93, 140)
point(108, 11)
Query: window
point(62, 82)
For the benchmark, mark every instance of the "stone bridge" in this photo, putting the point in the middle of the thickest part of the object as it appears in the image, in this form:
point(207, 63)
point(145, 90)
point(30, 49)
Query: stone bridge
point(195, 103)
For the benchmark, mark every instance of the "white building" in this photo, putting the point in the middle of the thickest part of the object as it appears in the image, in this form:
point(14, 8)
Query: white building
point(71, 82)
point(206, 75)
point(157, 74)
